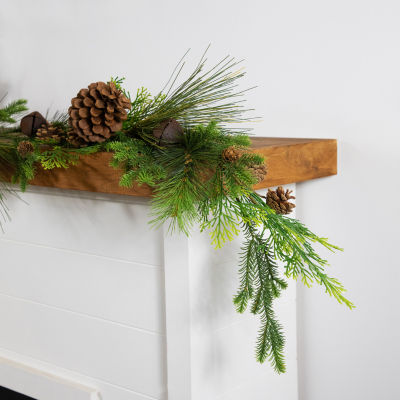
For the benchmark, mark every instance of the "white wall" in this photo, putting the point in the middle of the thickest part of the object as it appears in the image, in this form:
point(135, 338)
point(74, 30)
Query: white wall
point(82, 293)
point(324, 69)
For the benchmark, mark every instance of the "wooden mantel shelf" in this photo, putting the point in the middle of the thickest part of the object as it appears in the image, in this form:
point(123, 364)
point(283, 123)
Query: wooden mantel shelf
point(288, 161)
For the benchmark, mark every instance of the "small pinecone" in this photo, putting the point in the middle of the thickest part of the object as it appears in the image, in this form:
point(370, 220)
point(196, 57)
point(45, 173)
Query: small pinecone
point(24, 148)
point(98, 112)
point(169, 131)
point(50, 132)
point(259, 172)
point(279, 200)
point(231, 154)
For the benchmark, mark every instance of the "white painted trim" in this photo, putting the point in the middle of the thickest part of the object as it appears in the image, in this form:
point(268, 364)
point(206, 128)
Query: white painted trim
point(41, 385)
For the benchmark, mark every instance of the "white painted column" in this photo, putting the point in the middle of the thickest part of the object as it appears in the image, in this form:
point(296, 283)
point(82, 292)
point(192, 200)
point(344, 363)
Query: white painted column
point(210, 348)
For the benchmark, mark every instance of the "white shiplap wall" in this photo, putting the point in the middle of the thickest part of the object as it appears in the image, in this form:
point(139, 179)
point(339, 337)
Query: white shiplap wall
point(81, 289)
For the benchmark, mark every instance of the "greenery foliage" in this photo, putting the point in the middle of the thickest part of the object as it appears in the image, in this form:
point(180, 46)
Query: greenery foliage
point(138, 162)
point(8, 115)
point(269, 237)
point(12, 110)
point(206, 95)
point(194, 184)
point(198, 178)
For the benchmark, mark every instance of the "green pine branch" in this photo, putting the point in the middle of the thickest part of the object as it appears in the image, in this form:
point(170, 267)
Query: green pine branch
point(260, 283)
point(11, 111)
point(198, 182)
point(138, 161)
point(56, 157)
point(294, 246)
point(205, 95)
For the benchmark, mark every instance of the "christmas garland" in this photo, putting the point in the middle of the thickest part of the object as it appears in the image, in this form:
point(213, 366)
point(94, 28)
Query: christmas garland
point(181, 143)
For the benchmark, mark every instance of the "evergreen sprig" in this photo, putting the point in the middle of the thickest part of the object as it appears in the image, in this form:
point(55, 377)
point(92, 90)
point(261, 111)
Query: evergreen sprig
point(198, 179)
point(270, 236)
point(57, 157)
point(12, 111)
point(260, 283)
point(293, 244)
point(8, 115)
point(206, 95)
point(6, 164)
point(137, 160)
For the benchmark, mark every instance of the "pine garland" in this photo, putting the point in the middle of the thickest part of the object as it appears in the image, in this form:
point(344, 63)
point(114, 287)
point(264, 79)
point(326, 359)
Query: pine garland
point(204, 177)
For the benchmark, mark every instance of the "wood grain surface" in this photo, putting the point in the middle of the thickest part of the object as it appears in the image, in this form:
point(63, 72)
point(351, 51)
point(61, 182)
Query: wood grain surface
point(288, 161)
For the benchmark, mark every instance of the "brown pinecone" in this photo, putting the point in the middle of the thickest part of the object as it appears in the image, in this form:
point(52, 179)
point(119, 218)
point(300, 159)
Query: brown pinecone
point(50, 132)
point(259, 172)
point(98, 112)
point(279, 200)
point(24, 148)
point(232, 153)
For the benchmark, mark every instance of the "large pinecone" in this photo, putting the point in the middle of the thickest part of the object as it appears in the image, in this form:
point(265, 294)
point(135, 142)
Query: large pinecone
point(98, 112)
point(279, 200)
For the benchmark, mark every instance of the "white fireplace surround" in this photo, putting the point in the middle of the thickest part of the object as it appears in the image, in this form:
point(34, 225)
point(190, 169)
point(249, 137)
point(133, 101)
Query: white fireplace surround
point(35, 382)
point(97, 305)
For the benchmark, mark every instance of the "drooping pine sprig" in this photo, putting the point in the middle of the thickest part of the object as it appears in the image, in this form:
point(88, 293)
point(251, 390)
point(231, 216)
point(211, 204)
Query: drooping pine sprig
point(260, 284)
point(270, 236)
point(293, 244)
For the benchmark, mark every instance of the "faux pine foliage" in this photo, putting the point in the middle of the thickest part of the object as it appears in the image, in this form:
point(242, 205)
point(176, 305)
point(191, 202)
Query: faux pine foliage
point(8, 115)
point(11, 111)
point(194, 184)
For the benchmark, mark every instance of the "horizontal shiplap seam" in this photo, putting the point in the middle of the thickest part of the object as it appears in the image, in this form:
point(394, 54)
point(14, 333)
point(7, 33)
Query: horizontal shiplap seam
point(50, 368)
point(89, 316)
point(78, 252)
point(85, 195)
